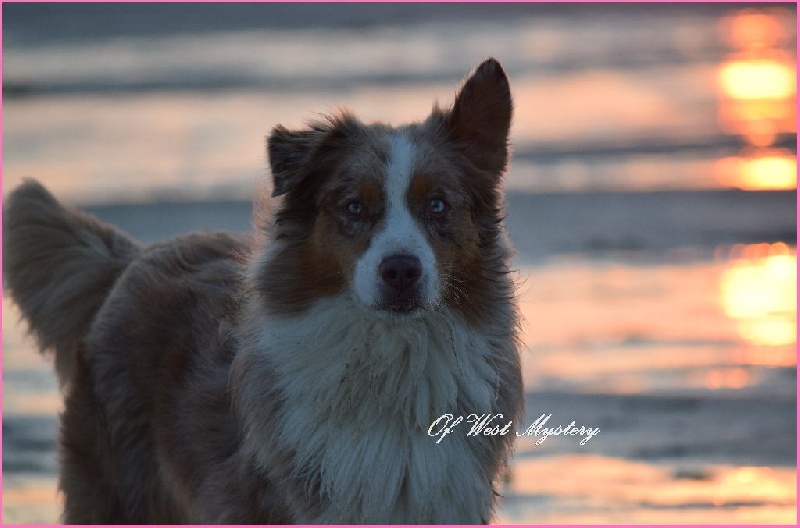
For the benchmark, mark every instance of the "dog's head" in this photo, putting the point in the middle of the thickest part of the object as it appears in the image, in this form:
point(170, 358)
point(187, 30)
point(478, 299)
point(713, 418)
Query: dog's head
point(402, 219)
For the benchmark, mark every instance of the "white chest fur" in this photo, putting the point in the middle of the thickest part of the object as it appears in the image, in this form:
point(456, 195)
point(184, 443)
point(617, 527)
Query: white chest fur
point(360, 392)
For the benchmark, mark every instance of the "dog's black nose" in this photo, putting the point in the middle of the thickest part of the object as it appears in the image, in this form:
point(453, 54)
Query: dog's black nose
point(400, 272)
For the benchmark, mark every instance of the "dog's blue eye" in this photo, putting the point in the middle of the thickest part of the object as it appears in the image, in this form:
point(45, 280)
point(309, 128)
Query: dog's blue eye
point(355, 208)
point(438, 206)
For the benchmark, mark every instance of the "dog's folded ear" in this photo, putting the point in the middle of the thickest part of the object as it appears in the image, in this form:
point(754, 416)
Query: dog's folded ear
point(294, 155)
point(480, 120)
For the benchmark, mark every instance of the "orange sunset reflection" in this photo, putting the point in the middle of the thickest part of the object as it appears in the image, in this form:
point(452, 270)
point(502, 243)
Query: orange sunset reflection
point(759, 291)
point(31, 500)
point(758, 78)
point(713, 325)
point(759, 170)
point(757, 89)
point(654, 493)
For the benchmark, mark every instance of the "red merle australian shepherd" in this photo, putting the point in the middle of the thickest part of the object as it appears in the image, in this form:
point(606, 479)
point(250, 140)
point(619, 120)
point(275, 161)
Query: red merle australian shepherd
point(211, 379)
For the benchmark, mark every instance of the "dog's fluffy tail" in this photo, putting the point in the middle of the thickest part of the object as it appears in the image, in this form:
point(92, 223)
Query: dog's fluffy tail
point(59, 265)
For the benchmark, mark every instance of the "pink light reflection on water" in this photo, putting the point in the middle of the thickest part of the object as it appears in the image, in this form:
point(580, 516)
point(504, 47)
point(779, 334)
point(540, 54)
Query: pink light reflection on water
point(593, 489)
point(622, 328)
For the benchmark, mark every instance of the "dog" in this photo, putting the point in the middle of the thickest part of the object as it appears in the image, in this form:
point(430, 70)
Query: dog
point(293, 376)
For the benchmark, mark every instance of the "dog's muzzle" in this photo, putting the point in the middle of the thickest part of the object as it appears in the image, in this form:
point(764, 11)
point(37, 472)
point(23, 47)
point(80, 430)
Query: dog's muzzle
point(401, 283)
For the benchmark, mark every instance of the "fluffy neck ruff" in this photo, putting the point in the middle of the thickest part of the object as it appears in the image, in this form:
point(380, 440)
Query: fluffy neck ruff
point(357, 394)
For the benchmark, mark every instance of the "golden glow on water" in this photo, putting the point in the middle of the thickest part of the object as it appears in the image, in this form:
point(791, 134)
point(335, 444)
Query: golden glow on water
point(760, 294)
point(757, 100)
point(758, 79)
point(738, 311)
point(774, 169)
point(609, 490)
point(754, 484)
point(771, 171)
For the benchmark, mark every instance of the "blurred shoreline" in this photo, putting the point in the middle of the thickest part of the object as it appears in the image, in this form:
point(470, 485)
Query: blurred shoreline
point(60, 23)
point(104, 101)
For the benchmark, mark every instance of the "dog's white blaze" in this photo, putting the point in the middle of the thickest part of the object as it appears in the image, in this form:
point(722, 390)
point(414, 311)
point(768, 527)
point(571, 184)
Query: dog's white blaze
point(400, 234)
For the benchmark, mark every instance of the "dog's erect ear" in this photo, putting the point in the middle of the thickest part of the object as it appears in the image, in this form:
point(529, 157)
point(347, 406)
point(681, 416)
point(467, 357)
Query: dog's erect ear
point(289, 154)
point(480, 120)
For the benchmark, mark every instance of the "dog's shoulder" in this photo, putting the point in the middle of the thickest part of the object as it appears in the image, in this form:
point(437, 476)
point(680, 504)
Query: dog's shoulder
point(170, 306)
